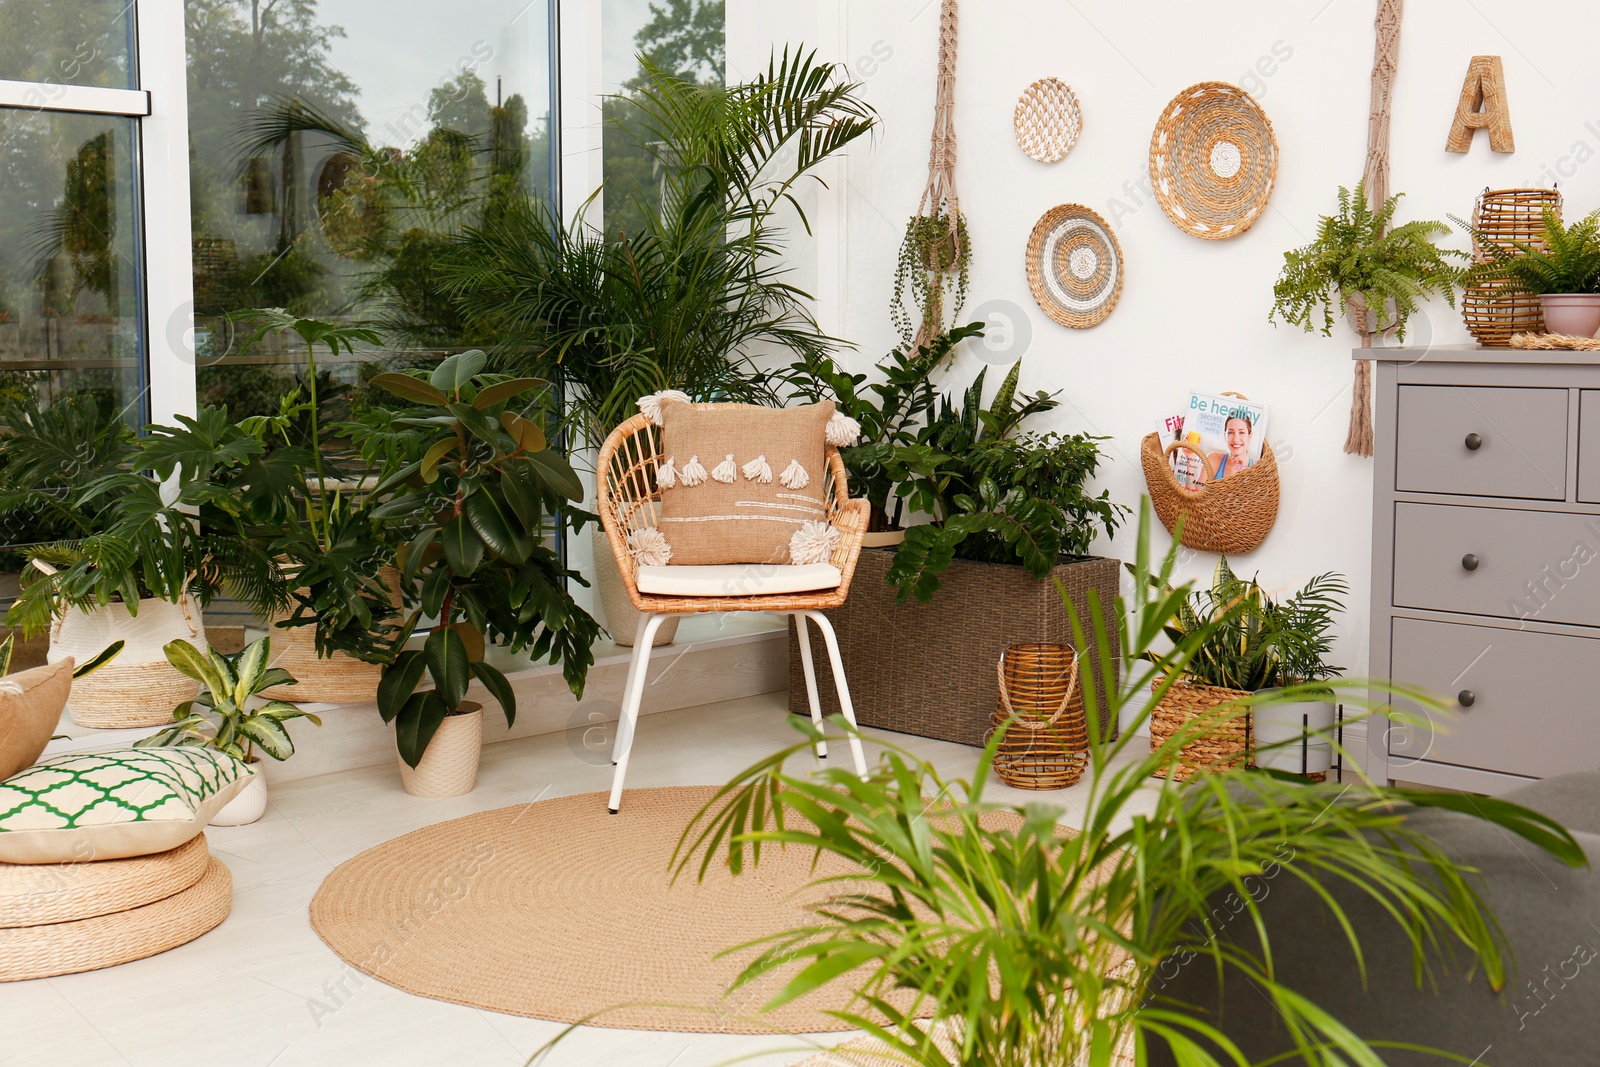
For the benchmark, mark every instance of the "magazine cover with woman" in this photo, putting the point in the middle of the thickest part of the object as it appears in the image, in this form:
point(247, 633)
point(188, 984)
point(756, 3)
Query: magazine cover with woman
point(1222, 435)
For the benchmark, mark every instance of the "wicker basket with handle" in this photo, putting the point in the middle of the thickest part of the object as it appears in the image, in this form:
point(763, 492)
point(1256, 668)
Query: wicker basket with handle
point(1046, 744)
point(1231, 516)
point(1227, 742)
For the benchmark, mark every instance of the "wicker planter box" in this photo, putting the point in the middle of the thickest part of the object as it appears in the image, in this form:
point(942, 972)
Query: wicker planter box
point(929, 669)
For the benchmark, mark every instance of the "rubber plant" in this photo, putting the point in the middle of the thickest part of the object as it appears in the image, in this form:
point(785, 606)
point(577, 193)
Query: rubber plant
point(475, 489)
point(973, 931)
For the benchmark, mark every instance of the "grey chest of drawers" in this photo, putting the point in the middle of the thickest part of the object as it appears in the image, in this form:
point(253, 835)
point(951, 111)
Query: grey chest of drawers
point(1486, 563)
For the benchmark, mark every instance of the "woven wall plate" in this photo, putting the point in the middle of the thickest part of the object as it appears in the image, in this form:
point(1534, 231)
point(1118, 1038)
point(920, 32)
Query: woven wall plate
point(1074, 266)
point(1048, 120)
point(1213, 160)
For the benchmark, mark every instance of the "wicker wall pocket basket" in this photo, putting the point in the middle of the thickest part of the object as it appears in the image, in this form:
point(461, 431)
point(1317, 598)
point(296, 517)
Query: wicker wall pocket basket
point(1046, 745)
point(1494, 314)
point(1228, 744)
point(1231, 516)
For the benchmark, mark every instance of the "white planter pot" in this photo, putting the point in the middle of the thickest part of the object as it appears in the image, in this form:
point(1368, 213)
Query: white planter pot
point(449, 766)
point(1296, 737)
point(139, 687)
point(1572, 314)
point(249, 805)
point(617, 611)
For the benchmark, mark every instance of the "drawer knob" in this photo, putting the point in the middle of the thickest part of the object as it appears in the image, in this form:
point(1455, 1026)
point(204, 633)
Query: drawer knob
point(1466, 698)
point(1469, 562)
point(1474, 442)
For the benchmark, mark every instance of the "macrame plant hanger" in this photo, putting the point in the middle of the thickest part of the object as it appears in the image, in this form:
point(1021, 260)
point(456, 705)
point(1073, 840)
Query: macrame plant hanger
point(935, 252)
point(1375, 175)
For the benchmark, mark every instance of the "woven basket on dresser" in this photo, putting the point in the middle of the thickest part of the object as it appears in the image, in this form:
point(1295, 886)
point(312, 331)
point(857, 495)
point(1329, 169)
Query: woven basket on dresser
point(1046, 744)
point(928, 668)
point(1232, 516)
point(1492, 313)
point(1228, 742)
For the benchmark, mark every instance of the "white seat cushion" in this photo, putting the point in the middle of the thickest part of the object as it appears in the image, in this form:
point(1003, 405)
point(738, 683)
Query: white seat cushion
point(738, 579)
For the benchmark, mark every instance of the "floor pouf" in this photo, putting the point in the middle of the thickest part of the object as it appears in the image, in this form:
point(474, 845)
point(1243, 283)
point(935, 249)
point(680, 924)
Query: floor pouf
point(33, 894)
point(120, 936)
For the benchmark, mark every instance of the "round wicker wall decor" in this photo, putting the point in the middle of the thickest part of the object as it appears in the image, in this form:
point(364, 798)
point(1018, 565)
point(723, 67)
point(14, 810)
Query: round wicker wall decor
point(1048, 120)
point(1074, 266)
point(1213, 160)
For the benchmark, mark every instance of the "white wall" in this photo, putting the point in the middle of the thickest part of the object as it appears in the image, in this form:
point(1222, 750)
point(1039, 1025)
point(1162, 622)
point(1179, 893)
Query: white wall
point(1193, 313)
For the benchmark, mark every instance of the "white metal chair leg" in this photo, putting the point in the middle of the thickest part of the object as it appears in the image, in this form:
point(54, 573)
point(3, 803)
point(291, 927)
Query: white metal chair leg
point(803, 636)
point(624, 736)
point(844, 687)
point(632, 696)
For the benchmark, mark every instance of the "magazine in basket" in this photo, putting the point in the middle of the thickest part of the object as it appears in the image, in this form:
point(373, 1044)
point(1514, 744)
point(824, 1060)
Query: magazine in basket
point(1222, 434)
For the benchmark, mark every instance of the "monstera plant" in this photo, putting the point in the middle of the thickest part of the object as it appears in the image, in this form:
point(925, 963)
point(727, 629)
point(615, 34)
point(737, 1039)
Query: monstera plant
point(474, 488)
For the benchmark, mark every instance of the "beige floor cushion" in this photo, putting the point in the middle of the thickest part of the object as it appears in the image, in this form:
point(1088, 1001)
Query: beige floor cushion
point(113, 804)
point(34, 894)
point(30, 709)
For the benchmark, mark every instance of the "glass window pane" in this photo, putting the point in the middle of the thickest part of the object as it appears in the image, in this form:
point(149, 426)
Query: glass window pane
point(69, 252)
point(68, 42)
point(687, 38)
point(336, 147)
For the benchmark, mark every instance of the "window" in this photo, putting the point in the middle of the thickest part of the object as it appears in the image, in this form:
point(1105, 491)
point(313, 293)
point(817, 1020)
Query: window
point(336, 146)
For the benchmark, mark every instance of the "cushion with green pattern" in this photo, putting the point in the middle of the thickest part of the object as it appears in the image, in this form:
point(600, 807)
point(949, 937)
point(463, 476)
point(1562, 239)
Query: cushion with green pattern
point(114, 804)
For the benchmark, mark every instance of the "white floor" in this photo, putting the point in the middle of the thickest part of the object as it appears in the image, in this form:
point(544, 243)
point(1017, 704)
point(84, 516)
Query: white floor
point(262, 989)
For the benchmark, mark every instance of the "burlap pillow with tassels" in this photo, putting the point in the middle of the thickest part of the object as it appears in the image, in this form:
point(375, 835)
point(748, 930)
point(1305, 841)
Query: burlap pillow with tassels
point(741, 484)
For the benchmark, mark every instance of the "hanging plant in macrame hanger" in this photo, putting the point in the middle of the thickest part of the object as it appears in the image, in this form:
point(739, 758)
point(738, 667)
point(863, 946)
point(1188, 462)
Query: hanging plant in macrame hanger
point(930, 281)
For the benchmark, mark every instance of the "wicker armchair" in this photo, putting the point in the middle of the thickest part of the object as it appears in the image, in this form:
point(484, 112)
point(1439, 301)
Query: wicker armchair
point(628, 500)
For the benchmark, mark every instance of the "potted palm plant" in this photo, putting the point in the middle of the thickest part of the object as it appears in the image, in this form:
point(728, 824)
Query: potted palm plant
point(977, 932)
point(681, 301)
point(473, 486)
point(229, 717)
point(1563, 272)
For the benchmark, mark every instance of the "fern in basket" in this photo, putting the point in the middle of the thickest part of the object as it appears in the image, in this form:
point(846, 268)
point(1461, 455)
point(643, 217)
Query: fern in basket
point(1568, 262)
point(1358, 262)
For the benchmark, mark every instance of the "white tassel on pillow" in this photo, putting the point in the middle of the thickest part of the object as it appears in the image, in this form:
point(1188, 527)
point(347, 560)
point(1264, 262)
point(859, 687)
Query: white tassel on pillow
point(666, 474)
point(726, 471)
point(757, 470)
point(693, 473)
point(794, 476)
point(649, 548)
point(842, 431)
point(651, 405)
point(815, 542)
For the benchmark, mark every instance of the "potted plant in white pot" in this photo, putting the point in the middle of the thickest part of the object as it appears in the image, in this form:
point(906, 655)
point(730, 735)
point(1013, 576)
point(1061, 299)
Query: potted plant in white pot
point(230, 716)
point(1564, 273)
point(476, 489)
point(1294, 733)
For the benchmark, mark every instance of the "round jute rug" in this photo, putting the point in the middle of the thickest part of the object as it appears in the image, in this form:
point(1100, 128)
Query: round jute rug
point(556, 910)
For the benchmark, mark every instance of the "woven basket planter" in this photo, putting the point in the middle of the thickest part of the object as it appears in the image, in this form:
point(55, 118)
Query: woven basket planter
point(449, 766)
point(1231, 516)
point(335, 679)
point(929, 669)
point(1227, 746)
point(139, 687)
point(1492, 312)
point(1046, 744)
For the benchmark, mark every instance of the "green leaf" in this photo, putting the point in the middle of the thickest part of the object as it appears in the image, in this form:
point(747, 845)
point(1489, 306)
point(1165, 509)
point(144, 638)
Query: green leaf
point(458, 370)
point(557, 473)
point(104, 656)
point(527, 434)
point(416, 724)
point(269, 735)
point(491, 395)
point(499, 688)
point(252, 664)
point(463, 550)
point(408, 388)
point(190, 661)
point(430, 461)
point(1526, 823)
point(497, 529)
point(399, 682)
point(449, 666)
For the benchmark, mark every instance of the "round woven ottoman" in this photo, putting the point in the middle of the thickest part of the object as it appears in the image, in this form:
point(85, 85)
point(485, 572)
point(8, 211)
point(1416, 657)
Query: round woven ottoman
point(61, 918)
